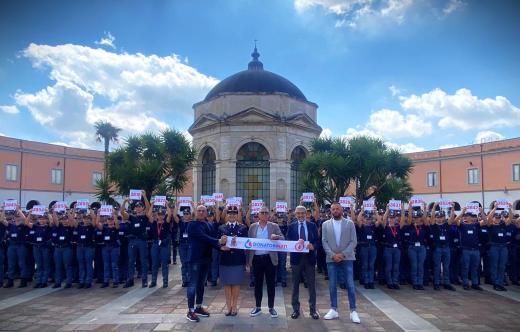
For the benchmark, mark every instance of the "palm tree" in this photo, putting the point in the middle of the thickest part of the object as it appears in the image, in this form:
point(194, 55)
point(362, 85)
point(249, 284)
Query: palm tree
point(106, 133)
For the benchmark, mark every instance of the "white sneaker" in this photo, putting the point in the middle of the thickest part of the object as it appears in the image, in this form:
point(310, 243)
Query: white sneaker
point(332, 314)
point(354, 317)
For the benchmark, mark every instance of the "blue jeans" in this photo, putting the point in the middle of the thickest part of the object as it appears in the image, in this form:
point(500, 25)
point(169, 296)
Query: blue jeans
point(137, 247)
point(470, 265)
point(185, 265)
point(17, 255)
point(348, 271)
point(174, 248)
point(281, 269)
point(215, 261)
point(198, 275)
point(441, 255)
point(110, 263)
point(123, 260)
point(2, 259)
point(417, 256)
point(63, 261)
point(42, 258)
point(85, 256)
point(392, 261)
point(497, 264)
point(160, 255)
point(368, 256)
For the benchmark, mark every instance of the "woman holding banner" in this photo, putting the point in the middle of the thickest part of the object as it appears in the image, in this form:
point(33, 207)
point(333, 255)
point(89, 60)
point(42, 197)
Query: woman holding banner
point(232, 261)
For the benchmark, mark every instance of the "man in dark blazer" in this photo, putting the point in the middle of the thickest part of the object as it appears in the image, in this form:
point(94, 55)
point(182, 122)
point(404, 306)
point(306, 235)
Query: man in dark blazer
point(303, 230)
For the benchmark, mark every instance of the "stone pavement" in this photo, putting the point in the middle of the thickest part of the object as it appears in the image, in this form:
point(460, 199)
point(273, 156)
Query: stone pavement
point(161, 309)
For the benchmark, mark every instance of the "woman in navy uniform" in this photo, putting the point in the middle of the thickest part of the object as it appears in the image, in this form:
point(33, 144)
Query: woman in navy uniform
point(366, 223)
point(393, 221)
point(3, 245)
point(41, 248)
point(62, 240)
point(214, 221)
point(137, 237)
point(161, 232)
point(232, 261)
point(123, 230)
point(498, 222)
point(417, 245)
point(17, 231)
point(440, 235)
point(109, 227)
point(85, 247)
point(469, 227)
point(182, 222)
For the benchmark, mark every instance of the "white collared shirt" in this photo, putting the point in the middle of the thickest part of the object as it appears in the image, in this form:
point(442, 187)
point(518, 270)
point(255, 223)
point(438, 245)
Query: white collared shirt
point(337, 230)
point(261, 233)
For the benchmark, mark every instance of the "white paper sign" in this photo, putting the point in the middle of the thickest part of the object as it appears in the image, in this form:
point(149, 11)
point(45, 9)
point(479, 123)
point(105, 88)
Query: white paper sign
point(472, 208)
point(232, 201)
point(10, 204)
point(281, 207)
point(184, 201)
point(38, 210)
point(159, 201)
point(308, 197)
point(135, 194)
point(105, 210)
point(395, 205)
point(416, 201)
point(60, 206)
point(218, 197)
point(207, 200)
point(346, 201)
point(445, 203)
point(369, 205)
point(82, 204)
point(502, 203)
point(256, 205)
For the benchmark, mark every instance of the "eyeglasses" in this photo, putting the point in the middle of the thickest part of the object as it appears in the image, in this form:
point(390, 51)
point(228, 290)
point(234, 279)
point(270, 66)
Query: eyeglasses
point(264, 212)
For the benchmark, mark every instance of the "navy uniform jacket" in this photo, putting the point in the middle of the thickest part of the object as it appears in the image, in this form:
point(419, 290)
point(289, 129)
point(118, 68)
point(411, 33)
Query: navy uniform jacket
point(233, 256)
point(293, 234)
point(61, 235)
point(166, 232)
point(42, 235)
point(200, 241)
point(85, 235)
point(17, 233)
point(3, 230)
point(441, 235)
point(110, 236)
point(137, 228)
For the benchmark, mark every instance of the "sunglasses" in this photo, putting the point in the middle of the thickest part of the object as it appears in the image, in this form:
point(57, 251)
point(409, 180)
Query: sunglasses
point(264, 212)
point(232, 212)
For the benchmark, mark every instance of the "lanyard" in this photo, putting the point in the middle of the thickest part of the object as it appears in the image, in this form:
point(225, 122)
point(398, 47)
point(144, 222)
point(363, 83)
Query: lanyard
point(417, 230)
point(158, 230)
point(393, 230)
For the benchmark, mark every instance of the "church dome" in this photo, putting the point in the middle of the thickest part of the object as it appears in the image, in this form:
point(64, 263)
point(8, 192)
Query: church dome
point(256, 80)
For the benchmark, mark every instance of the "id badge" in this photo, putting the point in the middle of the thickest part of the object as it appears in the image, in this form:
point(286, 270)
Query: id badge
point(442, 238)
point(417, 244)
point(83, 237)
point(159, 243)
point(484, 230)
point(121, 233)
point(38, 239)
point(54, 234)
point(470, 232)
point(62, 238)
point(14, 235)
point(500, 234)
point(31, 232)
point(407, 234)
point(395, 245)
point(107, 238)
point(137, 225)
point(369, 237)
point(185, 235)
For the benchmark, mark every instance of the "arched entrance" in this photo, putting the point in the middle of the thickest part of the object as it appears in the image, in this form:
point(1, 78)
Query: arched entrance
point(208, 171)
point(252, 172)
point(297, 157)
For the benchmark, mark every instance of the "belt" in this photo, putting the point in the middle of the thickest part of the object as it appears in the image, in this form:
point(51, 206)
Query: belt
point(468, 248)
point(62, 245)
point(498, 244)
point(83, 245)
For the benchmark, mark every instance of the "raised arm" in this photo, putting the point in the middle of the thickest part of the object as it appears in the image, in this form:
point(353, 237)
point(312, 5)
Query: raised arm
point(491, 214)
point(316, 209)
point(146, 202)
point(124, 215)
point(459, 217)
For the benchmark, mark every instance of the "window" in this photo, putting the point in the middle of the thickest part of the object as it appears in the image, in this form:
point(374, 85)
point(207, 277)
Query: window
point(297, 157)
point(56, 175)
point(516, 172)
point(11, 172)
point(253, 170)
point(96, 176)
point(431, 179)
point(208, 172)
point(473, 177)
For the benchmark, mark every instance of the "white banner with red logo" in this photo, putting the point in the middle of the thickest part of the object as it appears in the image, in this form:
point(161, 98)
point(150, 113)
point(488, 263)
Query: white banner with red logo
point(247, 243)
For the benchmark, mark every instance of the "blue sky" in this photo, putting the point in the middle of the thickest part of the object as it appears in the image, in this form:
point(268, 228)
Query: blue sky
point(420, 74)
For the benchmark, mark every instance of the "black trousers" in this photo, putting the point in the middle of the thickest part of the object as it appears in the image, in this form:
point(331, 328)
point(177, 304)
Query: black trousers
point(263, 267)
point(308, 271)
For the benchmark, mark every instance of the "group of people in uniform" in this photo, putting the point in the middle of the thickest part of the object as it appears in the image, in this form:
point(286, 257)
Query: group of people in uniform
point(413, 246)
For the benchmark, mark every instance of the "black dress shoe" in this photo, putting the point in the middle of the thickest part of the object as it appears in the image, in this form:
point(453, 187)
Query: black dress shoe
point(305, 285)
point(367, 286)
point(105, 285)
point(342, 286)
point(396, 286)
point(229, 313)
point(420, 287)
point(184, 284)
point(477, 287)
point(37, 286)
point(81, 286)
point(67, 286)
point(295, 314)
point(371, 286)
point(315, 315)
point(390, 286)
point(56, 286)
point(437, 287)
point(165, 285)
point(449, 287)
point(251, 284)
point(88, 285)
point(152, 284)
point(465, 287)
point(284, 284)
point(128, 284)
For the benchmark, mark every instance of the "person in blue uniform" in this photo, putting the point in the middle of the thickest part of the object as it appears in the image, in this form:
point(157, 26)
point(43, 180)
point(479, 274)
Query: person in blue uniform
point(366, 223)
point(440, 236)
point(182, 223)
point(109, 227)
point(469, 226)
point(41, 248)
point(214, 221)
point(281, 270)
point(232, 261)
point(418, 235)
point(161, 240)
point(61, 233)
point(3, 245)
point(201, 242)
point(137, 237)
point(404, 268)
point(123, 232)
point(17, 230)
point(85, 247)
point(393, 222)
point(498, 222)
point(320, 252)
point(514, 267)
point(455, 254)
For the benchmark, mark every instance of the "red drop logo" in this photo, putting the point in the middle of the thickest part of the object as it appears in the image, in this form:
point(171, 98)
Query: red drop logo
point(298, 247)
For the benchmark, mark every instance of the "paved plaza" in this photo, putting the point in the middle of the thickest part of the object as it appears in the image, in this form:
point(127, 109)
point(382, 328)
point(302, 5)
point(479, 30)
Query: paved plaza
point(159, 309)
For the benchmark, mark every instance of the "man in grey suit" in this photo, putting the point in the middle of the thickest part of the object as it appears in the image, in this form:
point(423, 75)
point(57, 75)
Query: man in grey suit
point(339, 242)
point(264, 262)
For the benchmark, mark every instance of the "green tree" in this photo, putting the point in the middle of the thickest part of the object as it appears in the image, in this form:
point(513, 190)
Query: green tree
point(395, 188)
point(105, 191)
point(152, 162)
point(106, 133)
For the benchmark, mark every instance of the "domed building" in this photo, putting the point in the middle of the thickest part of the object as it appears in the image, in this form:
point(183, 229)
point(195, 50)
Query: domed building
point(252, 131)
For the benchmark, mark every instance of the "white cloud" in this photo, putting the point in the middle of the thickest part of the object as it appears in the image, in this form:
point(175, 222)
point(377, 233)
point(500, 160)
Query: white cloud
point(463, 110)
point(393, 124)
point(487, 136)
point(9, 109)
point(107, 40)
point(395, 91)
point(452, 6)
point(136, 92)
point(325, 133)
point(448, 146)
point(403, 148)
